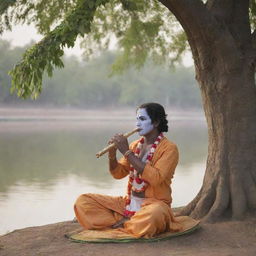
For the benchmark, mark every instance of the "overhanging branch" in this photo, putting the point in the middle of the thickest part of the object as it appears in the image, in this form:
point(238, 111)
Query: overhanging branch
point(234, 14)
point(198, 22)
point(190, 13)
point(45, 55)
point(5, 4)
point(5, 23)
point(207, 35)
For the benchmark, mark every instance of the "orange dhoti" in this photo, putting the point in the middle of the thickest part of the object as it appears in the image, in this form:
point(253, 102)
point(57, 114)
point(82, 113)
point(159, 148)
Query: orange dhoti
point(99, 212)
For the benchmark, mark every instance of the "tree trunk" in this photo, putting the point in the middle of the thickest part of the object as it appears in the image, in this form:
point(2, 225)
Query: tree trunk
point(220, 39)
point(229, 186)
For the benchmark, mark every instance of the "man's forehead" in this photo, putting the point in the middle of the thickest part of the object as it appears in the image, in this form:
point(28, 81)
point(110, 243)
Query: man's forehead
point(142, 112)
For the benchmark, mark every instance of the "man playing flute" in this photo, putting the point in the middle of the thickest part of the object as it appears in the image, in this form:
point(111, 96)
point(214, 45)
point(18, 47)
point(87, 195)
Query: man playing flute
point(150, 163)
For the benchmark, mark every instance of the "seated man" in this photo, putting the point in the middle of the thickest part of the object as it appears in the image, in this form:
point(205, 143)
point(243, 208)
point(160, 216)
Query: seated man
point(150, 163)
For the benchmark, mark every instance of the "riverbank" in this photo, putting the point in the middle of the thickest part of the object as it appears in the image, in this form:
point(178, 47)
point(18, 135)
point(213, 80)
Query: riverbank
point(14, 119)
point(73, 114)
point(226, 238)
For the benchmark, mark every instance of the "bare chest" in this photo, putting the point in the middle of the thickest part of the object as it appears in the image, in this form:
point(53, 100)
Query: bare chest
point(144, 150)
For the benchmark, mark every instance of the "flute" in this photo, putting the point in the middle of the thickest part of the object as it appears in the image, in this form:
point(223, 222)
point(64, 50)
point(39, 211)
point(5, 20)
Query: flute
point(106, 149)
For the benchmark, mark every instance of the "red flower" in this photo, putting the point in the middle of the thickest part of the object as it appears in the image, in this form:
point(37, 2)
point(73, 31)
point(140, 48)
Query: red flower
point(138, 180)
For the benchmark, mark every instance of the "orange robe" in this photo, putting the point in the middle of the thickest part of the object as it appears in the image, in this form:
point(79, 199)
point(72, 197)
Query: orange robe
point(155, 216)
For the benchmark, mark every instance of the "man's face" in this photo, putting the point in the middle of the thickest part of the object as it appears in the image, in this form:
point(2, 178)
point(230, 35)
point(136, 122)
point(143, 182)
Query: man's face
point(144, 122)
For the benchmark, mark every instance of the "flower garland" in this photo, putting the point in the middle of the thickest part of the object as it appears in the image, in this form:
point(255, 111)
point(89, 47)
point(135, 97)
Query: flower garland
point(135, 182)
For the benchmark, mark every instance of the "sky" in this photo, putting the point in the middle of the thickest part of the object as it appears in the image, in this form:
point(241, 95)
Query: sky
point(24, 34)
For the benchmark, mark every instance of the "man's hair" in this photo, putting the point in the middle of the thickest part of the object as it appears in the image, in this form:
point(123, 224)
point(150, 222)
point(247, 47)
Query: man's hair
point(156, 113)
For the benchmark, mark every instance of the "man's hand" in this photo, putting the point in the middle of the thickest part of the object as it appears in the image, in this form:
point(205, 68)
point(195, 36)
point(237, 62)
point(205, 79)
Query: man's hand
point(121, 142)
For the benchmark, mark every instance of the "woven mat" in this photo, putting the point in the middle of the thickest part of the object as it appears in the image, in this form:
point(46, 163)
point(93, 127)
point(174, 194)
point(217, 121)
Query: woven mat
point(117, 236)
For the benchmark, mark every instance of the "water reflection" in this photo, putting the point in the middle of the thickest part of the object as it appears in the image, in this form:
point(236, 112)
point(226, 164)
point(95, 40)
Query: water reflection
point(43, 170)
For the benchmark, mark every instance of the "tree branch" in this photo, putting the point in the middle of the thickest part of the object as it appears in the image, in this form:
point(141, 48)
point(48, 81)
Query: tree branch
point(199, 24)
point(235, 15)
point(212, 4)
point(5, 23)
point(45, 55)
point(5, 4)
point(190, 13)
point(205, 30)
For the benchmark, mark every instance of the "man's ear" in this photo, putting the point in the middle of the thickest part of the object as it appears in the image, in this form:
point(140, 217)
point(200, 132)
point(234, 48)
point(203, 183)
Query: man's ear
point(156, 124)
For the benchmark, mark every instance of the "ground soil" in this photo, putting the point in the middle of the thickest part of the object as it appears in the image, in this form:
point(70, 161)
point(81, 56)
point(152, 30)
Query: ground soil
point(229, 238)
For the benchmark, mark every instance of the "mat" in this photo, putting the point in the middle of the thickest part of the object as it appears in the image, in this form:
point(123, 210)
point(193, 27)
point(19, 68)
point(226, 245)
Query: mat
point(117, 236)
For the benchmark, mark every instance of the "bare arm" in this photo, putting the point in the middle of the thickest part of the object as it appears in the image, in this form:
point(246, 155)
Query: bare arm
point(122, 145)
point(112, 161)
point(118, 169)
point(136, 163)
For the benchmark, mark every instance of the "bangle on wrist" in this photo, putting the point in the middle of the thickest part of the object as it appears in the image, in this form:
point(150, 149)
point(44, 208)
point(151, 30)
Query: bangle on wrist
point(127, 153)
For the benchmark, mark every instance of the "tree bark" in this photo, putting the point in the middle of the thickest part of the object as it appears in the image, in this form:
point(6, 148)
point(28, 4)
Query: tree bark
point(225, 65)
point(229, 186)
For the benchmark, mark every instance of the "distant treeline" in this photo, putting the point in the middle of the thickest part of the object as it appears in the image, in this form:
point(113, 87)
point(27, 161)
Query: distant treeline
point(88, 84)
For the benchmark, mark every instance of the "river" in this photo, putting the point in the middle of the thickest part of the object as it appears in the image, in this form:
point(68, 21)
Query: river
point(47, 161)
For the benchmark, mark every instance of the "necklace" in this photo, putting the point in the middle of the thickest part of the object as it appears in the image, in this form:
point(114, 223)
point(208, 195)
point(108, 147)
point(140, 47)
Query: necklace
point(135, 182)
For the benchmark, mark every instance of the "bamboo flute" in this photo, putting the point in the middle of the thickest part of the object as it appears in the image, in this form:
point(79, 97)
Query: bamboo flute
point(106, 149)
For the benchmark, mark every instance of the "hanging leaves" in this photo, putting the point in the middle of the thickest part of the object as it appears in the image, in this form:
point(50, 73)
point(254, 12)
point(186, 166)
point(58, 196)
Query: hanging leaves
point(46, 55)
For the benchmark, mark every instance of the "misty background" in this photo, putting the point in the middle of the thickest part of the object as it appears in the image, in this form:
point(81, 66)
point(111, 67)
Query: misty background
point(91, 84)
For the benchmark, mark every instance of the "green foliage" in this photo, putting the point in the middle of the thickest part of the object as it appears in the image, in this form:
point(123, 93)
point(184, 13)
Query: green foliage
point(42, 13)
point(252, 14)
point(8, 58)
point(27, 75)
point(142, 29)
point(5, 4)
point(88, 85)
point(5, 23)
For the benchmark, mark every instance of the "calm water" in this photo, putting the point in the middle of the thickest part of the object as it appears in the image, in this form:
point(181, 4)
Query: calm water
point(46, 165)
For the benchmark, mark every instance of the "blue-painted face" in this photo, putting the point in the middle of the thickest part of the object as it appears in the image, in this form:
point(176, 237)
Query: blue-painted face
point(144, 122)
